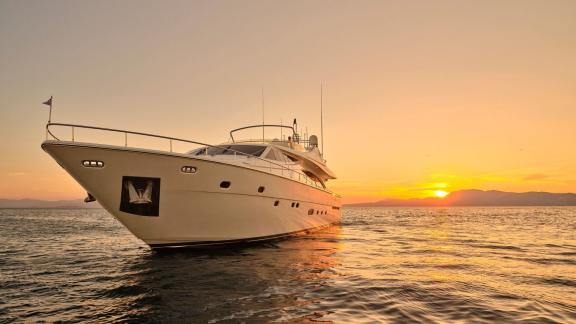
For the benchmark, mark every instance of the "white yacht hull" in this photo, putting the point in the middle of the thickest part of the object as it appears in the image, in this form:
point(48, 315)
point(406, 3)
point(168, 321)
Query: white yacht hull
point(192, 208)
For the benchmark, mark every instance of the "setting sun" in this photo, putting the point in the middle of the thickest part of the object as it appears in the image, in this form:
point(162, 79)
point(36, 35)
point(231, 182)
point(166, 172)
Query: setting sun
point(441, 193)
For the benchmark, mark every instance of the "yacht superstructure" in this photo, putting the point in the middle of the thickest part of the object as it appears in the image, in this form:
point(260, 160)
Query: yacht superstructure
point(238, 191)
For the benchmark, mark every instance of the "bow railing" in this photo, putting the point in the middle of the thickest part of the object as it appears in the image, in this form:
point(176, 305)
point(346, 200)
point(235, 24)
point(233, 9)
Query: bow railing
point(285, 171)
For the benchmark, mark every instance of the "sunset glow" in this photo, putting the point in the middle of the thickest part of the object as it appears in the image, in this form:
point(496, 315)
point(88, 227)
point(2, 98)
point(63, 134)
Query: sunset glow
point(441, 193)
point(419, 99)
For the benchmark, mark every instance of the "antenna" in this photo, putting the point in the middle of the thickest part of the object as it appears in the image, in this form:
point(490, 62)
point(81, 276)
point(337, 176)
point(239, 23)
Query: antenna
point(263, 114)
point(321, 124)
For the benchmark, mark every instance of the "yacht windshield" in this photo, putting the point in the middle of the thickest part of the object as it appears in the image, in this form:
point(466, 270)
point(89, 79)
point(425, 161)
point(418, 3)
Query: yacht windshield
point(254, 150)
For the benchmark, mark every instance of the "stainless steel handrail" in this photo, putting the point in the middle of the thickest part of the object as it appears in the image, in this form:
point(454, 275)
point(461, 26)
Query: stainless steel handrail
point(307, 179)
point(258, 126)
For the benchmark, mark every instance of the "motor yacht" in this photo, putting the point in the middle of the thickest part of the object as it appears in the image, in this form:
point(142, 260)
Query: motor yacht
point(243, 190)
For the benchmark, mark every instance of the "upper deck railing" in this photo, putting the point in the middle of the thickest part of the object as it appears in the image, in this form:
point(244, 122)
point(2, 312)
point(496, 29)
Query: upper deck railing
point(294, 134)
point(290, 173)
point(295, 137)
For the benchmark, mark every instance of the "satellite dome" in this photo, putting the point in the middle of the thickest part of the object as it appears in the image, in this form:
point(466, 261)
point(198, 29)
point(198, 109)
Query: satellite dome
point(313, 141)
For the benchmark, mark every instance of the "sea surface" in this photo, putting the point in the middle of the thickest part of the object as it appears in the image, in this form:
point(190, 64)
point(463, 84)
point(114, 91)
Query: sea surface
point(381, 265)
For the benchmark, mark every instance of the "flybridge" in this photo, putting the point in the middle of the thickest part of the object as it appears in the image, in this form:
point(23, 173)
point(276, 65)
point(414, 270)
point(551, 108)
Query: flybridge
point(293, 139)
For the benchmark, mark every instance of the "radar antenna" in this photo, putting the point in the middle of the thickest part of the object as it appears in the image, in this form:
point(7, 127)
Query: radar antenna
point(321, 124)
point(262, 114)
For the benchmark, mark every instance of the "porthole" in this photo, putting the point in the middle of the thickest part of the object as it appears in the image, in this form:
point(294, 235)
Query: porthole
point(261, 189)
point(188, 169)
point(225, 184)
point(293, 205)
point(276, 203)
point(317, 212)
point(297, 205)
point(311, 211)
point(93, 164)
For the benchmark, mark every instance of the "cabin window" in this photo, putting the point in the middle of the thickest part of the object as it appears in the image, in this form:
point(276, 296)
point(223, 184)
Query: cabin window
point(293, 159)
point(314, 178)
point(225, 184)
point(297, 205)
point(261, 189)
point(276, 203)
point(311, 211)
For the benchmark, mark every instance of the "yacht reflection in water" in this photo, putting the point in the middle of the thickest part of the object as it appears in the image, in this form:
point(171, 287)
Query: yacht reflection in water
point(269, 281)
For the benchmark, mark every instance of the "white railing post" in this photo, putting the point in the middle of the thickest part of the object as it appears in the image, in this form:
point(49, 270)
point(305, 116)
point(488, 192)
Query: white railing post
point(72, 133)
point(170, 145)
point(125, 139)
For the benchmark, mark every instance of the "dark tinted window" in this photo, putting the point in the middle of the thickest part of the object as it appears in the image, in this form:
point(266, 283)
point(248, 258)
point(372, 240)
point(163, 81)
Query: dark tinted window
point(225, 184)
point(229, 150)
point(293, 159)
point(314, 177)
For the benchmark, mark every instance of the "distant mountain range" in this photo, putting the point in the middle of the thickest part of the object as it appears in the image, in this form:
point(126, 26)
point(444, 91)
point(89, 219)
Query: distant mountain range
point(32, 203)
point(456, 198)
point(482, 198)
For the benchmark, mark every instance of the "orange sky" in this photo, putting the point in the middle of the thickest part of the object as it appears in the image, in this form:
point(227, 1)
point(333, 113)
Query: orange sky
point(419, 95)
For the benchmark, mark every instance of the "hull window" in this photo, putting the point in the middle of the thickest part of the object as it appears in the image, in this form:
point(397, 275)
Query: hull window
point(225, 184)
point(310, 211)
point(140, 196)
point(188, 169)
point(261, 189)
point(276, 203)
point(93, 164)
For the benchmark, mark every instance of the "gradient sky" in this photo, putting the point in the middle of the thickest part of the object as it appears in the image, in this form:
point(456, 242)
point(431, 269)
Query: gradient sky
point(418, 95)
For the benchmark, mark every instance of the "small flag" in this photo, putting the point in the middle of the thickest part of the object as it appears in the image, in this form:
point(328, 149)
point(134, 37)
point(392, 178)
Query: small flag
point(48, 102)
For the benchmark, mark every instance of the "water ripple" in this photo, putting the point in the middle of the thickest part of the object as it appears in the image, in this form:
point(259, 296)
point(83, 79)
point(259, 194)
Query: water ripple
point(429, 265)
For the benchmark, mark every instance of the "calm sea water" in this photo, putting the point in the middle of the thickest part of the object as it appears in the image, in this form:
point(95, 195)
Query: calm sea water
point(380, 265)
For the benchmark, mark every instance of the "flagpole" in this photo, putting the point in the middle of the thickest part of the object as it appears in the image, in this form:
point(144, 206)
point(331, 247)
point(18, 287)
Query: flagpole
point(49, 103)
point(321, 124)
